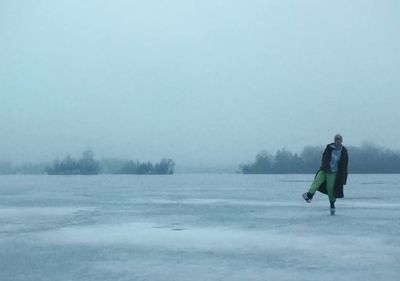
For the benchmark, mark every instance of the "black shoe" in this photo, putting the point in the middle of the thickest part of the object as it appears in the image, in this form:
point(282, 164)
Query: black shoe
point(333, 209)
point(308, 197)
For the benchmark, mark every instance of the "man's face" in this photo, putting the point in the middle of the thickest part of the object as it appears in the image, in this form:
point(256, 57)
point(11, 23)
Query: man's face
point(338, 141)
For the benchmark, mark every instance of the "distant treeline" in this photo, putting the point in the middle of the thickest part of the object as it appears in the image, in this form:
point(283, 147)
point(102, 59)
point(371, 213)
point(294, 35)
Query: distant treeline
point(88, 165)
point(365, 159)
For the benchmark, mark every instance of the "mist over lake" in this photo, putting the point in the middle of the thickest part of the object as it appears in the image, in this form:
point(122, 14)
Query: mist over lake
point(143, 114)
point(205, 83)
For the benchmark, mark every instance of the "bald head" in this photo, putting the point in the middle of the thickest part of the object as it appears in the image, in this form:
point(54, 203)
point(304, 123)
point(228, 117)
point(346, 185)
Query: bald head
point(338, 139)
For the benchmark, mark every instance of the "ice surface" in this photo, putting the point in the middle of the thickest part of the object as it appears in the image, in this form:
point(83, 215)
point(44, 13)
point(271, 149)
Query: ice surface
point(196, 227)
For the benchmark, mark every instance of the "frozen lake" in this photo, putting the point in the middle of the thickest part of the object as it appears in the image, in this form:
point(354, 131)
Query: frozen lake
point(196, 227)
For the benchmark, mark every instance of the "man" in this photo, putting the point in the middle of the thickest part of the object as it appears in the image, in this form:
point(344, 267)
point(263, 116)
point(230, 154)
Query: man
point(332, 175)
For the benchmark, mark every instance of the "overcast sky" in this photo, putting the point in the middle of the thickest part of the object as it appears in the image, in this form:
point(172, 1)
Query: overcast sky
point(208, 82)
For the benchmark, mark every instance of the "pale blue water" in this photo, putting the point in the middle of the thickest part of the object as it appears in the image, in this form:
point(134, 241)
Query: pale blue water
point(196, 227)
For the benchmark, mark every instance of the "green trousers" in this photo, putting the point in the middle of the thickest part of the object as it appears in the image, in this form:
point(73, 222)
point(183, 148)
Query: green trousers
point(330, 184)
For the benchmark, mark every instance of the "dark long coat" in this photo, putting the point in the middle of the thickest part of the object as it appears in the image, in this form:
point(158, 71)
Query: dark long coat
point(341, 175)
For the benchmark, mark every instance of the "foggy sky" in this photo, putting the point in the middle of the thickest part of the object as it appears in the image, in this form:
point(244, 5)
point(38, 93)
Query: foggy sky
point(202, 82)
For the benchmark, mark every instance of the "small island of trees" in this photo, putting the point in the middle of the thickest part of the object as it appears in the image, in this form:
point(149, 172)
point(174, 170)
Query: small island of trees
point(87, 165)
point(164, 167)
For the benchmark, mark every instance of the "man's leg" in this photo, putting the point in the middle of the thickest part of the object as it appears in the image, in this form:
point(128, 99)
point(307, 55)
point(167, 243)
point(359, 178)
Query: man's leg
point(319, 179)
point(330, 186)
